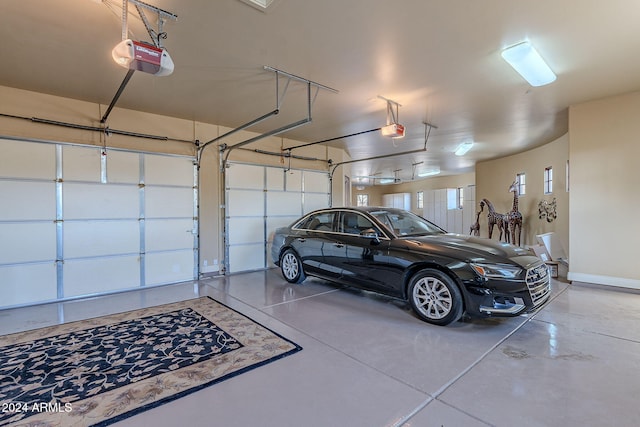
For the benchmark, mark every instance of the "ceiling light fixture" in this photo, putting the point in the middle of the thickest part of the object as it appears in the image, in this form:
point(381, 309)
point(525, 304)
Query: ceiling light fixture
point(393, 129)
point(526, 60)
point(429, 173)
point(463, 148)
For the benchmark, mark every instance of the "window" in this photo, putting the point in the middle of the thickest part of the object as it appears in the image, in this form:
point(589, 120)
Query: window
point(353, 223)
point(322, 221)
point(363, 200)
point(522, 183)
point(455, 198)
point(548, 180)
point(420, 200)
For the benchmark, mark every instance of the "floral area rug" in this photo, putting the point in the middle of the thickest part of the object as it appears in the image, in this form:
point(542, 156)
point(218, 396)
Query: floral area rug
point(99, 371)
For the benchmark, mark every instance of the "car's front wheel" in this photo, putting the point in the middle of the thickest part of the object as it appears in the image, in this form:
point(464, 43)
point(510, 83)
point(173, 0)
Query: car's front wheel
point(435, 297)
point(291, 267)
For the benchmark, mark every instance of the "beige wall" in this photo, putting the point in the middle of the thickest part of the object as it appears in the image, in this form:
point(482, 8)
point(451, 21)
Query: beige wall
point(376, 192)
point(598, 232)
point(494, 177)
point(15, 102)
point(604, 148)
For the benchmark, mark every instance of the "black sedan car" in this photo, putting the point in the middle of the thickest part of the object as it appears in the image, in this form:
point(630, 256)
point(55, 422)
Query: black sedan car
point(398, 253)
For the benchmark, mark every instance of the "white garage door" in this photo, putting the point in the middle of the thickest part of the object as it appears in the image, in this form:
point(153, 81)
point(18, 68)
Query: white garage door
point(260, 199)
point(77, 222)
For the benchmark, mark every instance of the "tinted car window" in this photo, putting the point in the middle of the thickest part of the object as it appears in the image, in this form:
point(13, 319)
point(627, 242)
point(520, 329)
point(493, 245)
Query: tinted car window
point(406, 224)
point(353, 223)
point(322, 221)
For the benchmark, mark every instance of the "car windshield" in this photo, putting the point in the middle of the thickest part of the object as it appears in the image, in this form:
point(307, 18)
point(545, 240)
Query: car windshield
point(404, 223)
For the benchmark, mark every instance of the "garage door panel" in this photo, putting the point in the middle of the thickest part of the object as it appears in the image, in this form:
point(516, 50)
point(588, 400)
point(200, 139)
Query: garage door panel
point(28, 283)
point(274, 223)
point(123, 167)
point(293, 180)
point(315, 201)
point(245, 176)
point(166, 234)
point(280, 199)
point(315, 182)
point(91, 225)
point(169, 267)
point(168, 170)
point(81, 163)
point(100, 201)
point(27, 242)
point(245, 203)
point(281, 203)
point(275, 179)
point(246, 257)
point(22, 159)
point(246, 230)
point(168, 202)
point(23, 200)
point(99, 238)
point(107, 274)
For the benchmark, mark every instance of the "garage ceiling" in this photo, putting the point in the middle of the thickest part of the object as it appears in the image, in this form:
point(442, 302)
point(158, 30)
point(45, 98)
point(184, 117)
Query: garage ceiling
point(439, 59)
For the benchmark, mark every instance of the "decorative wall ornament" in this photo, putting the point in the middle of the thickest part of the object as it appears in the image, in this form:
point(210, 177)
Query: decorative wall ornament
point(547, 210)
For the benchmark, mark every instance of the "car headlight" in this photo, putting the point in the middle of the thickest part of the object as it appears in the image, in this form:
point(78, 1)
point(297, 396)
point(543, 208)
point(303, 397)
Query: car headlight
point(497, 271)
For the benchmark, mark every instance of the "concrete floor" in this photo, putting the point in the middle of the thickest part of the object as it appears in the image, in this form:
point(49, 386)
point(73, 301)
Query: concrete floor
point(368, 361)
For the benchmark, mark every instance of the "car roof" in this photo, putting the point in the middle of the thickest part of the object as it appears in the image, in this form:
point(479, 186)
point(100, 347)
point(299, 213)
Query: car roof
point(366, 209)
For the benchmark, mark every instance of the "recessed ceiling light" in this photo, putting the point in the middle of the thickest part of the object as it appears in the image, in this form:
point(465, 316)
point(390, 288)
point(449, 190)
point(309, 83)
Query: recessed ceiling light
point(463, 148)
point(526, 60)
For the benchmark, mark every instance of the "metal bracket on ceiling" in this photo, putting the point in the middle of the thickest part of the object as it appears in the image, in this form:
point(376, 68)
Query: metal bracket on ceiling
point(290, 77)
point(413, 169)
point(279, 100)
point(392, 110)
point(427, 132)
point(310, 101)
point(156, 36)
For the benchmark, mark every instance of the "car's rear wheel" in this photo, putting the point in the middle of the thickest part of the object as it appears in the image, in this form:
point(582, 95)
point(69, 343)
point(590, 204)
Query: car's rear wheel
point(291, 267)
point(435, 297)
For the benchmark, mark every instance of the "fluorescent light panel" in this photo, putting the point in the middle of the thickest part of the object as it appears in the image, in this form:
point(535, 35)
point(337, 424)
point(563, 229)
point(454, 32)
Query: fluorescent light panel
point(463, 148)
point(429, 173)
point(526, 60)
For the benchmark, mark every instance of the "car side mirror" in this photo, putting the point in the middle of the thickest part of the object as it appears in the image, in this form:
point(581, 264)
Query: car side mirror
point(370, 233)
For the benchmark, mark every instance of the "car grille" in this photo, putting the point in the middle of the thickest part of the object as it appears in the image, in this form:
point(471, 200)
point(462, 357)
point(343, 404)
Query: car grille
point(539, 284)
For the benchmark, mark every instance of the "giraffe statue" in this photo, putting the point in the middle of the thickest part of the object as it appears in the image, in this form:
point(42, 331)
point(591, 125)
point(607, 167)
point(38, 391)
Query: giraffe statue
point(475, 227)
point(514, 216)
point(494, 218)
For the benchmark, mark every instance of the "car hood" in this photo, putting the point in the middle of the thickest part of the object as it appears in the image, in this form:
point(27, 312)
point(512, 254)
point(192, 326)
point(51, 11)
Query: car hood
point(469, 248)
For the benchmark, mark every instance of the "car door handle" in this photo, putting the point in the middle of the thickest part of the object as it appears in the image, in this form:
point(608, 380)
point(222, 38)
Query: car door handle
point(301, 239)
point(338, 245)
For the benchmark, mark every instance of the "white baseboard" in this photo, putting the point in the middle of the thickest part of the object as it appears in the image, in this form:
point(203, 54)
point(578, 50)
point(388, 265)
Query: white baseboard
point(604, 280)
